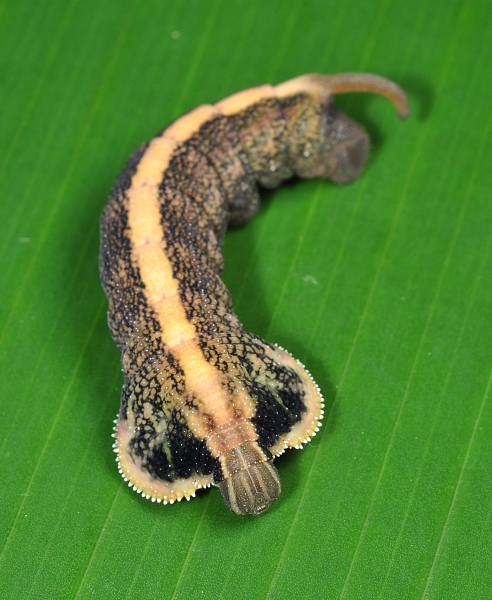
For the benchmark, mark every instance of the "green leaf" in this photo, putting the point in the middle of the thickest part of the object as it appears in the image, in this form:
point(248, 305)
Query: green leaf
point(382, 288)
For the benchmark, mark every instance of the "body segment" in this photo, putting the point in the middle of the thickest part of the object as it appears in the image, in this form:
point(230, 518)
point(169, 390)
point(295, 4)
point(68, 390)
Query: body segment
point(203, 401)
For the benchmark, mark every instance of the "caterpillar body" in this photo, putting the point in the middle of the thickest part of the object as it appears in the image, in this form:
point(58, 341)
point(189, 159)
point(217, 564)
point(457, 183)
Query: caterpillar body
point(204, 402)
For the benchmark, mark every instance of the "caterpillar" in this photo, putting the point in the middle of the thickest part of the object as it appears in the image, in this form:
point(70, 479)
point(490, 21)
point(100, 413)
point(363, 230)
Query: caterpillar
point(204, 402)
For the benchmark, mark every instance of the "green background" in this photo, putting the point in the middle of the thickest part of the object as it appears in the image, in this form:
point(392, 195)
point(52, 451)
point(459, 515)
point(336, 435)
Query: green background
point(382, 288)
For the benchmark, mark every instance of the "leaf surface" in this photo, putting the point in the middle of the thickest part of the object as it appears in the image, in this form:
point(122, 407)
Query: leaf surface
point(381, 288)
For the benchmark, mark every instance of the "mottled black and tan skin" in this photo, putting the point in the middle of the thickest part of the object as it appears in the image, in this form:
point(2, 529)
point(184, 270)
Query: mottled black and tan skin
point(203, 401)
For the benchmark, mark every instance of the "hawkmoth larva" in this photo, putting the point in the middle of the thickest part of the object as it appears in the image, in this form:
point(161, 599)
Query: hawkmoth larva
point(204, 402)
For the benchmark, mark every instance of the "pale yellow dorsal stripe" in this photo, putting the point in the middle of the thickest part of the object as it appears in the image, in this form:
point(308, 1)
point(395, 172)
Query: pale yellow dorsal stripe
point(305, 84)
point(237, 102)
point(144, 219)
point(162, 289)
point(188, 124)
point(156, 157)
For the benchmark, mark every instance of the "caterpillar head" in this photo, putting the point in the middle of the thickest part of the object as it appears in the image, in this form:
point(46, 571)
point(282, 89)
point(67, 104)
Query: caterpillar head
point(251, 491)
